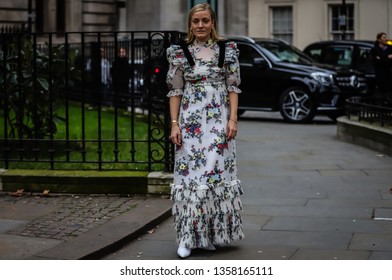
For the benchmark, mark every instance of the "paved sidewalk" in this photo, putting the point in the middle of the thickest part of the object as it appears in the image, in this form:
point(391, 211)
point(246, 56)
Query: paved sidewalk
point(74, 226)
point(307, 195)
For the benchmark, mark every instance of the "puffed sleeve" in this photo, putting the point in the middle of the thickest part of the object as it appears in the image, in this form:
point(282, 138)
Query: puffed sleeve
point(232, 67)
point(175, 78)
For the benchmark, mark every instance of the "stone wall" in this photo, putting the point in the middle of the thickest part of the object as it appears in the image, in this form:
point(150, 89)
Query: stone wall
point(367, 135)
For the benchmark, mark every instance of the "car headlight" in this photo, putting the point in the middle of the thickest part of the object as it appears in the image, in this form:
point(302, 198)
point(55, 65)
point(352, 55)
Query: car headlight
point(323, 78)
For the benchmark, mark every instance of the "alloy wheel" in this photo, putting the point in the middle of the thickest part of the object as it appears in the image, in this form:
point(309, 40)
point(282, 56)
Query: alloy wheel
point(296, 105)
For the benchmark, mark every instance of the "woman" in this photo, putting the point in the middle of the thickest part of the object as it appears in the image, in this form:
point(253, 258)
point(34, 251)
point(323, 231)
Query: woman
point(203, 109)
point(382, 56)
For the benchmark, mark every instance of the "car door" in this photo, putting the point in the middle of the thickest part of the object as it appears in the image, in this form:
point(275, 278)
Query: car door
point(339, 55)
point(254, 82)
point(364, 62)
point(315, 52)
point(334, 54)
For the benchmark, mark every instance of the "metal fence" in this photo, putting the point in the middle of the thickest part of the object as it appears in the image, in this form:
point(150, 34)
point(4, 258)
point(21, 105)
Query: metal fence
point(377, 110)
point(68, 101)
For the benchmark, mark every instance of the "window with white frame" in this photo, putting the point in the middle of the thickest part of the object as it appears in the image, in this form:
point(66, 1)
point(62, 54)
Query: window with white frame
point(341, 22)
point(282, 23)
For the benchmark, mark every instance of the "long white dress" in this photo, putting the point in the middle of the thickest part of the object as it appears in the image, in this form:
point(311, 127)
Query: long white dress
point(205, 191)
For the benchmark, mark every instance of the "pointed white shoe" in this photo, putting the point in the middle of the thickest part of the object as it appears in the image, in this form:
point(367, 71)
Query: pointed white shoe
point(183, 252)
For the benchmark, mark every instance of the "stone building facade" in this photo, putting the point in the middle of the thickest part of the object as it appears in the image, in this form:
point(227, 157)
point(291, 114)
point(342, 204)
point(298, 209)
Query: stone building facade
point(299, 22)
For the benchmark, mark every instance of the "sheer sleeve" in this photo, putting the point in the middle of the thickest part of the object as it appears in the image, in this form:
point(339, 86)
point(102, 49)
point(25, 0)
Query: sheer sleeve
point(232, 67)
point(175, 77)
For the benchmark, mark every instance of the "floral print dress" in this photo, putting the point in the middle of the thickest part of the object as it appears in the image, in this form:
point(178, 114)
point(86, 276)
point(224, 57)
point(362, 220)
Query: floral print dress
point(205, 191)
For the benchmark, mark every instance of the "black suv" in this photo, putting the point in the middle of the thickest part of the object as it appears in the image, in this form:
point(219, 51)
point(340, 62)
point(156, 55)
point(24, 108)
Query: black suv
point(278, 77)
point(354, 54)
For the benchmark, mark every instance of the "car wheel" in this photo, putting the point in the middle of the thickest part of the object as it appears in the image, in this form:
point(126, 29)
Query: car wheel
point(297, 106)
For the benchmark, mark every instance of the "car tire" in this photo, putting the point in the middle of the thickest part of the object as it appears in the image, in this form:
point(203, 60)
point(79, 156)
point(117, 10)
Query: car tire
point(296, 105)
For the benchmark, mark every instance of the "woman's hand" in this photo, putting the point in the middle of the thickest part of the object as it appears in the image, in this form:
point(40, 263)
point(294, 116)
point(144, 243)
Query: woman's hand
point(175, 135)
point(232, 122)
point(231, 129)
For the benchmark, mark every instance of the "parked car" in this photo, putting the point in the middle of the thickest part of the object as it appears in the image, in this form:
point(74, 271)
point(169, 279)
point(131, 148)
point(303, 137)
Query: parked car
point(278, 77)
point(355, 54)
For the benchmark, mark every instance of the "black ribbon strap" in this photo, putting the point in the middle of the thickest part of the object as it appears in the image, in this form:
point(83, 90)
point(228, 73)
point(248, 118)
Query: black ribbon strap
point(187, 53)
point(222, 50)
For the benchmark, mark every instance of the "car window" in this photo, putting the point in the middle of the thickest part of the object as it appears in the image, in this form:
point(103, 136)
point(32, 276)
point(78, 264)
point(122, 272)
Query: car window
point(338, 55)
point(365, 61)
point(284, 53)
point(247, 53)
point(315, 54)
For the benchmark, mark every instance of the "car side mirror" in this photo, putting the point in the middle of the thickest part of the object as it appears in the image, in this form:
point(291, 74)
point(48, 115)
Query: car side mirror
point(260, 62)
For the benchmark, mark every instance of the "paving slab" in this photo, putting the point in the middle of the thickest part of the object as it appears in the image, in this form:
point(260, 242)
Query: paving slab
point(338, 202)
point(322, 224)
point(372, 242)
point(383, 214)
point(6, 225)
point(309, 254)
point(310, 211)
point(275, 201)
point(14, 247)
point(353, 194)
point(375, 255)
point(299, 239)
point(27, 209)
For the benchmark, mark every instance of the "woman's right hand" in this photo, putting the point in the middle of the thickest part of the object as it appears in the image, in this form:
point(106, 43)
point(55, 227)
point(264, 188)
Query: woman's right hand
point(175, 135)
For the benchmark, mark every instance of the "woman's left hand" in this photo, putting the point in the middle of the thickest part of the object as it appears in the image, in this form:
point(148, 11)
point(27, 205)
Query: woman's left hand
point(231, 129)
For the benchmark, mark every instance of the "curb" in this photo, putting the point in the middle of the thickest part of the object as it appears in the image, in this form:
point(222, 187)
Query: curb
point(366, 135)
point(86, 182)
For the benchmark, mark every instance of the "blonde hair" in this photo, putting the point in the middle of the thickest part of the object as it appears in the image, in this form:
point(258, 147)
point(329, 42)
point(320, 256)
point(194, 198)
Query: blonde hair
point(199, 8)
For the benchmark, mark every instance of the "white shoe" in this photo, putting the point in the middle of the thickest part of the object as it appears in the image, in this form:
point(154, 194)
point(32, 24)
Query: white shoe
point(183, 252)
point(210, 247)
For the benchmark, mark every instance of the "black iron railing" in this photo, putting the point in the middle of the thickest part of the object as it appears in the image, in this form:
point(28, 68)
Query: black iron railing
point(56, 111)
point(377, 110)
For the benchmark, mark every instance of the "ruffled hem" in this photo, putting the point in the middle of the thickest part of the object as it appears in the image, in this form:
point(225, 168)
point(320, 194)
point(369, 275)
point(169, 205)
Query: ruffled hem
point(199, 232)
point(208, 213)
point(175, 92)
point(186, 209)
point(209, 191)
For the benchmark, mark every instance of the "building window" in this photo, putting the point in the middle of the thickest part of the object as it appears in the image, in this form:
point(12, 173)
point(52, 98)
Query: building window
point(282, 23)
point(42, 20)
point(341, 21)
